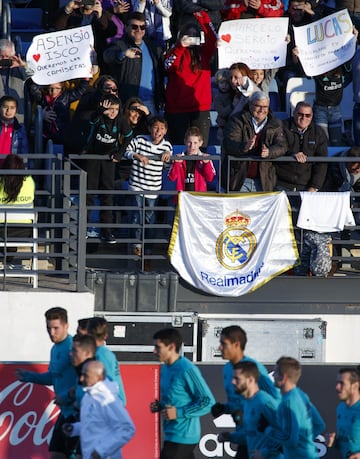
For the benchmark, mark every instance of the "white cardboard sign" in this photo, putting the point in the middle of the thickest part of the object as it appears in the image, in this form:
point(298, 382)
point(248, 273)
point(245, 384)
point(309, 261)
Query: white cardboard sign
point(62, 55)
point(260, 43)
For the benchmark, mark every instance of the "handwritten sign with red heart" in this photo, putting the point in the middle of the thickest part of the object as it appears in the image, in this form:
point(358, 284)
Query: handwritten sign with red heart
point(226, 37)
point(36, 57)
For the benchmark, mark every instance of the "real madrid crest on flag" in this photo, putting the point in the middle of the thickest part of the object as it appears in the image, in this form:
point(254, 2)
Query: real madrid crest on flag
point(229, 245)
point(236, 244)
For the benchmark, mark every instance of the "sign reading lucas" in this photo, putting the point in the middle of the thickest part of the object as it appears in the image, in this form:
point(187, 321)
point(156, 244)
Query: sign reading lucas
point(325, 44)
point(62, 55)
point(229, 246)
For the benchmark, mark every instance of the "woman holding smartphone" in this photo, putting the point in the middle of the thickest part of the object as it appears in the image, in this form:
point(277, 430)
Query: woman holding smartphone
point(188, 91)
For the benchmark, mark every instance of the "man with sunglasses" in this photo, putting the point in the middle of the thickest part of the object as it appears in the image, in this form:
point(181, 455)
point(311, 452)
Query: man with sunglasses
point(305, 139)
point(133, 61)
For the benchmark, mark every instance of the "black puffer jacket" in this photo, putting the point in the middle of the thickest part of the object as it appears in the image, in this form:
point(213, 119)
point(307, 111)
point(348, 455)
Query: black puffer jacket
point(312, 143)
point(127, 72)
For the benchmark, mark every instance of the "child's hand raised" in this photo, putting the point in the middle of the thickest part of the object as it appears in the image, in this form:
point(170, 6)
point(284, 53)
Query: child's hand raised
point(105, 105)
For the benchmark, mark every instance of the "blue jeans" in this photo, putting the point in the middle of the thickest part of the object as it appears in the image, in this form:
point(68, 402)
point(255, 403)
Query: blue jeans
point(329, 118)
point(145, 207)
point(251, 185)
point(356, 124)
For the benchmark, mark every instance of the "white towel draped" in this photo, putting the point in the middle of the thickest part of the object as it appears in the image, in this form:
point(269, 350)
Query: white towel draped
point(325, 212)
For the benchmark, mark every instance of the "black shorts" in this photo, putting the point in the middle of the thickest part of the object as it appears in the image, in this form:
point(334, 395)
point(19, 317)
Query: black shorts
point(61, 443)
point(173, 450)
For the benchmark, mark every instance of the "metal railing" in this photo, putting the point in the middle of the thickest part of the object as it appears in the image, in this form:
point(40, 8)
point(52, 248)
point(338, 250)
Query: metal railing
point(124, 206)
point(123, 209)
point(63, 225)
point(60, 225)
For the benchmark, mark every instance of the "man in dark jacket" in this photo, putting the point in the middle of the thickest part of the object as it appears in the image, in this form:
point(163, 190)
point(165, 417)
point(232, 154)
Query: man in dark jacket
point(305, 139)
point(134, 62)
point(253, 132)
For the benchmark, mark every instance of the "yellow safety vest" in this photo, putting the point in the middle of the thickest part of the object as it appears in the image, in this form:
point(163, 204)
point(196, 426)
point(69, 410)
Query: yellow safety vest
point(24, 200)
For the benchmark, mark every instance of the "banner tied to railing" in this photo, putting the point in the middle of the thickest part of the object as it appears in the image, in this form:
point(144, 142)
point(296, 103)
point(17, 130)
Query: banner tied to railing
point(231, 245)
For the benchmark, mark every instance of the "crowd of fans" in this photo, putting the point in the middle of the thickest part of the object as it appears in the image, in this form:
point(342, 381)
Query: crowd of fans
point(155, 64)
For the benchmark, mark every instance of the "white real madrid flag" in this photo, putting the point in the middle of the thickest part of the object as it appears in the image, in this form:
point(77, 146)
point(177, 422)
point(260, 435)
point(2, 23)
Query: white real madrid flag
point(229, 245)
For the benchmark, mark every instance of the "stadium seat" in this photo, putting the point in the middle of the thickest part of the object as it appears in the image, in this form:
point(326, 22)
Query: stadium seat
point(275, 102)
point(300, 96)
point(300, 85)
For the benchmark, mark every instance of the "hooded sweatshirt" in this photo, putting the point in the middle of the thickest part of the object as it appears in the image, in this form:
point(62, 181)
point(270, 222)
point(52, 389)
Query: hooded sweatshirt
point(105, 425)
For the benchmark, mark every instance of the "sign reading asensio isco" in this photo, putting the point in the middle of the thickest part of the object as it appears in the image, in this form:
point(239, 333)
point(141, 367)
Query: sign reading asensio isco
point(325, 44)
point(62, 55)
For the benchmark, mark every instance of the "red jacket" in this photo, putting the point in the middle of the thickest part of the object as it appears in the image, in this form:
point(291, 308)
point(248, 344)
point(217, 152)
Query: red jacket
point(204, 172)
point(269, 8)
point(189, 91)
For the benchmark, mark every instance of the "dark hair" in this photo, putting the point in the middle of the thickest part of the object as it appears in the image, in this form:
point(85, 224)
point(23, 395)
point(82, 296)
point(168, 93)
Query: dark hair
point(112, 98)
point(83, 323)
point(157, 119)
point(169, 336)
point(12, 183)
point(9, 99)
point(135, 15)
point(86, 342)
point(99, 83)
point(132, 100)
point(98, 327)
point(57, 313)
point(195, 58)
point(354, 373)
point(248, 368)
point(235, 334)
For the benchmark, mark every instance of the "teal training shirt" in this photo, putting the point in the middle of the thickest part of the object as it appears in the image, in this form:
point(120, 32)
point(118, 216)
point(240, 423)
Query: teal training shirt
point(182, 386)
point(108, 358)
point(234, 400)
point(61, 374)
point(299, 423)
point(348, 429)
point(259, 413)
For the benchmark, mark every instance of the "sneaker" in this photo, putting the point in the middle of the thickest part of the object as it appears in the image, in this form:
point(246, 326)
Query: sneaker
point(108, 238)
point(92, 232)
point(13, 266)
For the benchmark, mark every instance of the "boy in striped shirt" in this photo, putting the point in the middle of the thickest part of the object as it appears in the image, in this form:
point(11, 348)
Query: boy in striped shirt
point(148, 153)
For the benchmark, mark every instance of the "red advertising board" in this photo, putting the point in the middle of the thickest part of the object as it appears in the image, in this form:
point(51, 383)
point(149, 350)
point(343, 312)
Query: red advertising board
point(27, 413)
